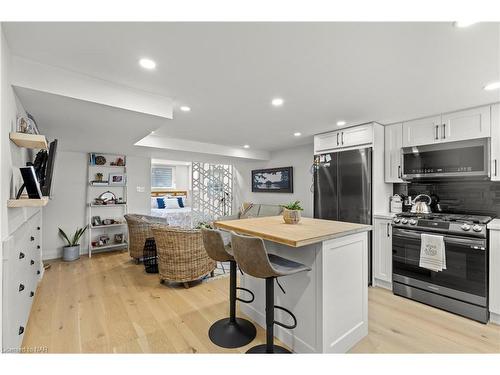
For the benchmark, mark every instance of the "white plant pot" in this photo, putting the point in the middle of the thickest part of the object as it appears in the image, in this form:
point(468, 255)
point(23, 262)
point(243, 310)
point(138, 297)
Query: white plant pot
point(71, 253)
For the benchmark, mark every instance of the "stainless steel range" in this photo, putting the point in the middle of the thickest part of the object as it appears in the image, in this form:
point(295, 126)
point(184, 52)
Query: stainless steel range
point(461, 288)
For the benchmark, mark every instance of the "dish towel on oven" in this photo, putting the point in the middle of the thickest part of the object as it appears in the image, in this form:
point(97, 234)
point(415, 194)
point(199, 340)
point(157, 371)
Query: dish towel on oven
point(432, 252)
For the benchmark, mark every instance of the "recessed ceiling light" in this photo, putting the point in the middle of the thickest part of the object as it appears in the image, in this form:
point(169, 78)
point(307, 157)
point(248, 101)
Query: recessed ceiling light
point(492, 86)
point(246, 146)
point(462, 24)
point(277, 102)
point(185, 108)
point(153, 132)
point(341, 123)
point(297, 134)
point(147, 63)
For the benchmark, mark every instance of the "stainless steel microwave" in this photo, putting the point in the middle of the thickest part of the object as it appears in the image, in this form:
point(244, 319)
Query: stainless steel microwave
point(452, 159)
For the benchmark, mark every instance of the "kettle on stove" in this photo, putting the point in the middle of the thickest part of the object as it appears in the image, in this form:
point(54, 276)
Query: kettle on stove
point(420, 207)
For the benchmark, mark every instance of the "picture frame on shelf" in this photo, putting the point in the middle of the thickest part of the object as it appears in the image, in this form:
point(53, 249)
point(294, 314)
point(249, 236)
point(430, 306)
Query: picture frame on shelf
point(117, 179)
point(96, 221)
point(119, 238)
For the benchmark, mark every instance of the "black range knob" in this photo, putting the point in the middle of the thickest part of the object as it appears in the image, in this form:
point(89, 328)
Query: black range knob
point(21, 255)
point(37, 246)
point(21, 287)
point(38, 272)
point(32, 262)
point(32, 294)
point(37, 228)
point(21, 330)
point(32, 238)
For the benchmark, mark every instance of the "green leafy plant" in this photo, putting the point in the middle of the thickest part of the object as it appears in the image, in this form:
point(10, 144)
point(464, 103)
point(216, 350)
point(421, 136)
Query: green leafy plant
point(76, 237)
point(293, 206)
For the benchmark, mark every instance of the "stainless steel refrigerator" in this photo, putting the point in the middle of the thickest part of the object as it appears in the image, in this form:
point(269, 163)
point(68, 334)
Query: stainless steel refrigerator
point(343, 188)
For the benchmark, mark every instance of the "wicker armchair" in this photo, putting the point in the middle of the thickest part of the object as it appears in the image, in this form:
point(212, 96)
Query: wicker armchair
point(181, 255)
point(139, 228)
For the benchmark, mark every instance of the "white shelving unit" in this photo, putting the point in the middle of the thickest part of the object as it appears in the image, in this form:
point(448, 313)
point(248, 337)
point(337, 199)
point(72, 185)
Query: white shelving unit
point(111, 211)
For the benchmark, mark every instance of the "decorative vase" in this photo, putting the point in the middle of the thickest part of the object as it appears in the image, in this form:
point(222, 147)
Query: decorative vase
point(291, 216)
point(71, 253)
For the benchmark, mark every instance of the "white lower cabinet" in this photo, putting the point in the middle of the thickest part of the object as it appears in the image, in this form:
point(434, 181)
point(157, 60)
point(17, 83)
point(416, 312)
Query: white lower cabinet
point(22, 269)
point(494, 290)
point(382, 253)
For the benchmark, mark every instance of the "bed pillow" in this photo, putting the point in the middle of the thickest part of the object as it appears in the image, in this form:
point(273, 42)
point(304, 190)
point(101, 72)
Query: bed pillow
point(154, 202)
point(171, 203)
point(180, 200)
point(161, 202)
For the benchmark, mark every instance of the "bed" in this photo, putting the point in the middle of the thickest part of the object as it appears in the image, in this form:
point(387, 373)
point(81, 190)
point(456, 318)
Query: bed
point(180, 216)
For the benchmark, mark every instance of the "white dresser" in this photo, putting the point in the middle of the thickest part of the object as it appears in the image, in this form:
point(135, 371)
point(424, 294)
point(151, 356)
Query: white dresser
point(22, 270)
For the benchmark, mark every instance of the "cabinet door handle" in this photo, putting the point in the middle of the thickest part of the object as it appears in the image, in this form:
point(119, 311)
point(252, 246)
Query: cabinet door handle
point(437, 133)
point(444, 131)
point(388, 230)
point(342, 137)
point(495, 161)
point(337, 139)
point(21, 287)
point(399, 171)
point(21, 255)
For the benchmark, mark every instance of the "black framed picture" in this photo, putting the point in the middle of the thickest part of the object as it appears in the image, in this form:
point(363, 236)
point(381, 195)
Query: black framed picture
point(273, 180)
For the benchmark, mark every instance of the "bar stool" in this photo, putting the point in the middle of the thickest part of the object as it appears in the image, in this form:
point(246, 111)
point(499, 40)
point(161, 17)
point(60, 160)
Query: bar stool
point(229, 332)
point(253, 259)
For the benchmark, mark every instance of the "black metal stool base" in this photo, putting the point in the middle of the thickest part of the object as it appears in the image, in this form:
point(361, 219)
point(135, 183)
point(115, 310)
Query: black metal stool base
point(232, 334)
point(262, 349)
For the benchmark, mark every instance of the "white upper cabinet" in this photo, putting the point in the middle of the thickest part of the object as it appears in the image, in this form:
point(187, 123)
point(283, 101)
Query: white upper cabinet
point(357, 135)
point(468, 124)
point(457, 126)
point(421, 132)
point(349, 137)
point(393, 144)
point(495, 142)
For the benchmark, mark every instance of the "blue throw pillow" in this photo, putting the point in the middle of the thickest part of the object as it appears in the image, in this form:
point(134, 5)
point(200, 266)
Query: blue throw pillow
point(181, 203)
point(161, 202)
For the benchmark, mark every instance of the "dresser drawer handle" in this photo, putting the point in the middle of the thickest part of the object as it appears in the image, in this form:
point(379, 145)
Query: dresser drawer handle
point(32, 262)
point(21, 255)
point(32, 294)
point(21, 287)
point(21, 330)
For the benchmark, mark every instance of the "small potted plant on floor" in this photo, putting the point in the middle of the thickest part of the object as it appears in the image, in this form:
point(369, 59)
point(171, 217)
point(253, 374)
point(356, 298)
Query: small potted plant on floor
point(72, 250)
point(291, 212)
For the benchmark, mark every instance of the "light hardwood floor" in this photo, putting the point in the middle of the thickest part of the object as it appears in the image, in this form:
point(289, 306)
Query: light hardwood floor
point(108, 304)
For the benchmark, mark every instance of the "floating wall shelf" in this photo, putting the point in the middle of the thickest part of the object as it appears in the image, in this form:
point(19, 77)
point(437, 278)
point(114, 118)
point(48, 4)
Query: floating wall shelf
point(26, 202)
point(36, 141)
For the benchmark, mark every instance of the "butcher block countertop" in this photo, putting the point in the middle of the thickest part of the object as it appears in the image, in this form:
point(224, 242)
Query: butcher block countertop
point(306, 232)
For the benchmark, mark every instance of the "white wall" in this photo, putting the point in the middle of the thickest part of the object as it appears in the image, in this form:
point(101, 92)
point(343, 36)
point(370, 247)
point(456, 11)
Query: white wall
point(300, 158)
point(11, 156)
point(68, 207)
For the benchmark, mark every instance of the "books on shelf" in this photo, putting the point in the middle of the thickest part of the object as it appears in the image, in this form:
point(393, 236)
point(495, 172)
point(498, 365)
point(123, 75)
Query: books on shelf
point(99, 183)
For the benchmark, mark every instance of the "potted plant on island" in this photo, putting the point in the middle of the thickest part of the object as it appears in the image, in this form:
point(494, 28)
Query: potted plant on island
point(291, 212)
point(72, 250)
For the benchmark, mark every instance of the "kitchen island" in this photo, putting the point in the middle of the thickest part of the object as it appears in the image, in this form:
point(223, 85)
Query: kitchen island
point(330, 301)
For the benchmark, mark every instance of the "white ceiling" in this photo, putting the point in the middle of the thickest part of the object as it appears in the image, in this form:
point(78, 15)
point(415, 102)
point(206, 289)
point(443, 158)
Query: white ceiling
point(228, 73)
